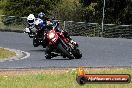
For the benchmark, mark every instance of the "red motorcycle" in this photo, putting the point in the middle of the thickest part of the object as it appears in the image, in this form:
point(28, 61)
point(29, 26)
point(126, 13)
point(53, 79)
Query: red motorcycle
point(62, 44)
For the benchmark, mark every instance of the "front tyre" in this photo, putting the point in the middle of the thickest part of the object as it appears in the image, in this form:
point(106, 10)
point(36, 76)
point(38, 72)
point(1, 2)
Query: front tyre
point(30, 35)
point(77, 54)
point(35, 42)
point(64, 51)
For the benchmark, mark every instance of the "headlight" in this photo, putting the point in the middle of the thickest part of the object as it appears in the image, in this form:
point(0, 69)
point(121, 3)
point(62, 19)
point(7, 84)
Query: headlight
point(51, 35)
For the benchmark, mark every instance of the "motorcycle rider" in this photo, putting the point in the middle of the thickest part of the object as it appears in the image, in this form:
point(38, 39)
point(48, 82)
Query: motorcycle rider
point(30, 28)
point(34, 31)
point(42, 16)
point(49, 48)
point(31, 19)
point(40, 24)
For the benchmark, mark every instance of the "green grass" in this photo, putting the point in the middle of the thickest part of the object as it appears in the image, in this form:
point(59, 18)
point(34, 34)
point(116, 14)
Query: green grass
point(59, 80)
point(4, 53)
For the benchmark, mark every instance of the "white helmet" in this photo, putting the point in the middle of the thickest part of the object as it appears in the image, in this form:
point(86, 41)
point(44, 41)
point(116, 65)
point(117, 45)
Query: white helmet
point(31, 19)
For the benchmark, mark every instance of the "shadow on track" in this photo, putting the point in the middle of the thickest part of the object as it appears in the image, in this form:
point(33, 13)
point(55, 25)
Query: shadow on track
point(42, 50)
point(54, 58)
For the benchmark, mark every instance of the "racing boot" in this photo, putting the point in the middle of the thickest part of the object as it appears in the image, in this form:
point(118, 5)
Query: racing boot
point(31, 35)
point(74, 43)
point(71, 41)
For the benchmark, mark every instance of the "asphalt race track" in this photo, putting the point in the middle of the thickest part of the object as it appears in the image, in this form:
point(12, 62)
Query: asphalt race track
point(97, 52)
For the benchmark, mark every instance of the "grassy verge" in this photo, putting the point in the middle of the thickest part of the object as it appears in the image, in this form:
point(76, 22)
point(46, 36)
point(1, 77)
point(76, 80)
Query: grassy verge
point(56, 78)
point(4, 53)
point(11, 28)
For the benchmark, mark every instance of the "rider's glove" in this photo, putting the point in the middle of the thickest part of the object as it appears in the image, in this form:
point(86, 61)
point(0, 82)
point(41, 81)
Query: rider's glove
point(27, 30)
point(49, 23)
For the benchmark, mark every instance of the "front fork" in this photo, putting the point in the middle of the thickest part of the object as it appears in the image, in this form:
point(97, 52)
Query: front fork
point(67, 46)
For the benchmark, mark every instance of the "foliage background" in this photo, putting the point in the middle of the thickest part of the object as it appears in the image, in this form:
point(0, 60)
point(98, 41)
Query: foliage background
point(116, 11)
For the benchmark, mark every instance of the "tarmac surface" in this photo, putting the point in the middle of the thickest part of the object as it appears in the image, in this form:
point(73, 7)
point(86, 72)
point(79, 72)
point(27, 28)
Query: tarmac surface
point(96, 51)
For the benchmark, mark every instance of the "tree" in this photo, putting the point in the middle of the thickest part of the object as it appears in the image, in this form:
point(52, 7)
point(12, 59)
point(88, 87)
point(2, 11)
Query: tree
point(25, 7)
point(116, 11)
point(86, 2)
point(68, 10)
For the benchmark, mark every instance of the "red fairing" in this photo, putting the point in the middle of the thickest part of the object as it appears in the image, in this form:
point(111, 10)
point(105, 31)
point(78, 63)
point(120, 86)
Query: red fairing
point(63, 37)
point(52, 36)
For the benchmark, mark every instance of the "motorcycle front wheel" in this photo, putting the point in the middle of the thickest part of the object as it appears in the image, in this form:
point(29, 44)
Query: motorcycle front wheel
point(35, 42)
point(64, 51)
point(77, 54)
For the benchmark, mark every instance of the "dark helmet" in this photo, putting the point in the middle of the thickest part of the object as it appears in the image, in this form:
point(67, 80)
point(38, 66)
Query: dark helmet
point(41, 15)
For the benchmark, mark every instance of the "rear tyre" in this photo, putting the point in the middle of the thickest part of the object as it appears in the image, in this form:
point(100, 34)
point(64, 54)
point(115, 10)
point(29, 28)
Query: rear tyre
point(64, 51)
